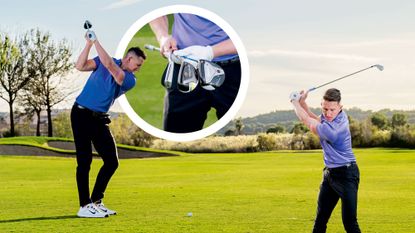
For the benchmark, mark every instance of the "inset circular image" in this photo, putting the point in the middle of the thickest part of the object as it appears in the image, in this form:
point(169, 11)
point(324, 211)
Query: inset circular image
point(195, 76)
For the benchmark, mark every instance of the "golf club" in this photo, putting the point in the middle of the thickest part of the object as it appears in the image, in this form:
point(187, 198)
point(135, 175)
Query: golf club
point(379, 67)
point(208, 74)
point(91, 34)
point(296, 95)
point(154, 48)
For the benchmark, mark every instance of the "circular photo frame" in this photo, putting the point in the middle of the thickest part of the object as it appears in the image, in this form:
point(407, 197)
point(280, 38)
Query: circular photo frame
point(229, 115)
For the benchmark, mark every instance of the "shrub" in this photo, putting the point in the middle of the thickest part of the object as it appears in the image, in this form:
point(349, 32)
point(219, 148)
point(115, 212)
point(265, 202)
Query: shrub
point(211, 144)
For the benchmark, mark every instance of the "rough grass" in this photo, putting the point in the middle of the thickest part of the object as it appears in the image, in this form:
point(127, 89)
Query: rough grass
point(260, 192)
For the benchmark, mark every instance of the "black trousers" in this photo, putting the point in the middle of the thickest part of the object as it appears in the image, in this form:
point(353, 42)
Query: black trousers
point(87, 127)
point(187, 112)
point(338, 183)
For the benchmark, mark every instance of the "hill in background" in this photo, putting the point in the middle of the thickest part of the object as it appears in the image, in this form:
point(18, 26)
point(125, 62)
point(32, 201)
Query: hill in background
point(287, 119)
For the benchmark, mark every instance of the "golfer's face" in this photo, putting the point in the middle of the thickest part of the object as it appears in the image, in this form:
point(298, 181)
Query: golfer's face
point(134, 63)
point(330, 109)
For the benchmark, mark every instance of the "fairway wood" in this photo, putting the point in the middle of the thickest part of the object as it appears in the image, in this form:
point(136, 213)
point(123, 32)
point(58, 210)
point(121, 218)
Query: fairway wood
point(187, 79)
point(211, 75)
point(89, 33)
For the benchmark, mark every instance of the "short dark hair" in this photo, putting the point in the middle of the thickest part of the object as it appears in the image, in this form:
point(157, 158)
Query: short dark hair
point(332, 94)
point(137, 51)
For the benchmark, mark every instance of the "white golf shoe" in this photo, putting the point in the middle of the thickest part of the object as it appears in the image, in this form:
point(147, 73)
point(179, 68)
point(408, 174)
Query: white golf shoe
point(91, 211)
point(104, 209)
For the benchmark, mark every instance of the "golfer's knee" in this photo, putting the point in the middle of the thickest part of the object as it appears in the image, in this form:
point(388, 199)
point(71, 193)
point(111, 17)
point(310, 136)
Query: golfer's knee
point(111, 164)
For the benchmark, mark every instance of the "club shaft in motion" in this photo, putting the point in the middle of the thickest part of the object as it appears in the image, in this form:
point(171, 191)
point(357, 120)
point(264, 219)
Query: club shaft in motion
point(324, 84)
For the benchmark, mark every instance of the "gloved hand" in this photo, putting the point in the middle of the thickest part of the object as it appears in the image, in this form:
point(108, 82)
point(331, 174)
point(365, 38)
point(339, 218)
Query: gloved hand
point(193, 54)
point(90, 35)
point(295, 96)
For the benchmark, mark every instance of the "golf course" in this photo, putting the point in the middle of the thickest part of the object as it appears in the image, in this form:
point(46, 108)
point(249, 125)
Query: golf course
point(246, 192)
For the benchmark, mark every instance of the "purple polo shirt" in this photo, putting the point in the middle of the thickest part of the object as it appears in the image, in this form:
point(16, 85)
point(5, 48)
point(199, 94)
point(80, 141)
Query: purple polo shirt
point(336, 141)
point(190, 29)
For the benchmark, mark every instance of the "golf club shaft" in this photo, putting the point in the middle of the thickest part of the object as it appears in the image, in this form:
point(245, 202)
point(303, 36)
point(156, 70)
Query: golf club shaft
point(154, 48)
point(322, 85)
point(151, 47)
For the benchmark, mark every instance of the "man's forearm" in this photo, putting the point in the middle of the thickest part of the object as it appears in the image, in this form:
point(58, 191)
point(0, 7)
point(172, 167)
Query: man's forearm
point(109, 63)
point(308, 111)
point(160, 27)
point(223, 48)
point(304, 117)
point(83, 57)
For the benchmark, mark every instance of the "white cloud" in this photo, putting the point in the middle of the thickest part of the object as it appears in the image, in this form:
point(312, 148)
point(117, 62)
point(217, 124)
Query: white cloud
point(120, 4)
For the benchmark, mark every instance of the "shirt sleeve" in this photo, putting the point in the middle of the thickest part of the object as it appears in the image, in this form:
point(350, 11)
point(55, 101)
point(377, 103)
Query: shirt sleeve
point(327, 132)
point(129, 82)
point(97, 62)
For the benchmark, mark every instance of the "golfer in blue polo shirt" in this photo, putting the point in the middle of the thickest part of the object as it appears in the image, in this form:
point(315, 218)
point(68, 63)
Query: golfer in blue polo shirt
point(341, 174)
point(110, 79)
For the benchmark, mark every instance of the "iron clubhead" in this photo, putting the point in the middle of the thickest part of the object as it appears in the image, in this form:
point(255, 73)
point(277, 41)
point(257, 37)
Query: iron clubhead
point(187, 79)
point(211, 75)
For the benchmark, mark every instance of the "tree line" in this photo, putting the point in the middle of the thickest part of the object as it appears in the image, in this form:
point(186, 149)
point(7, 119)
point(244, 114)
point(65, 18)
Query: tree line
point(32, 70)
point(376, 130)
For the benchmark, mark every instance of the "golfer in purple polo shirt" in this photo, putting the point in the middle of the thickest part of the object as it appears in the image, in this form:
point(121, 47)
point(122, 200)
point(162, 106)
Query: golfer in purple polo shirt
point(341, 174)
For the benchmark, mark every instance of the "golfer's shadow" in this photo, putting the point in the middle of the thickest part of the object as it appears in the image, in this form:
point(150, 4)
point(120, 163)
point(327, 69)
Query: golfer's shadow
point(39, 218)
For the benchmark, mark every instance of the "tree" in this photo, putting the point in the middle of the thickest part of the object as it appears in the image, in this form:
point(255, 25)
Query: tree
point(276, 129)
point(32, 102)
point(379, 120)
point(399, 119)
point(13, 75)
point(49, 61)
point(239, 125)
point(299, 128)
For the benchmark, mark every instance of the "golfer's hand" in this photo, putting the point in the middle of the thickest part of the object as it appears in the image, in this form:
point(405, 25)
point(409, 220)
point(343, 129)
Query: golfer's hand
point(90, 37)
point(167, 46)
point(295, 96)
point(303, 96)
point(195, 53)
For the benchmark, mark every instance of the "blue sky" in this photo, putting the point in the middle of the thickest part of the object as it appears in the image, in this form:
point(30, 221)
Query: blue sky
point(291, 45)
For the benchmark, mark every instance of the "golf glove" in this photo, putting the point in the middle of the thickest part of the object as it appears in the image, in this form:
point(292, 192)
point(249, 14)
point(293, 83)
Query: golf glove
point(193, 54)
point(91, 35)
point(295, 96)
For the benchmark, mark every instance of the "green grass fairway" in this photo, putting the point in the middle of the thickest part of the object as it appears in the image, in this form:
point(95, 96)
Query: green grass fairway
point(147, 97)
point(261, 192)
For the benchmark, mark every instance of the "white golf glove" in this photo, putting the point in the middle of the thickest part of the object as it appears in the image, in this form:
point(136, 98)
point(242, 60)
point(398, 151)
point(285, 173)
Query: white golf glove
point(193, 54)
point(295, 96)
point(91, 35)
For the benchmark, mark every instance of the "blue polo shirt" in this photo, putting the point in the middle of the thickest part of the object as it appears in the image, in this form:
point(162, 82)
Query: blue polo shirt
point(101, 90)
point(336, 141)
point(190, 29)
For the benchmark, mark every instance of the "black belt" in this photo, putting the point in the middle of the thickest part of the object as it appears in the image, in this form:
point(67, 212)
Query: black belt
point(227, 62)
point(99, 114)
